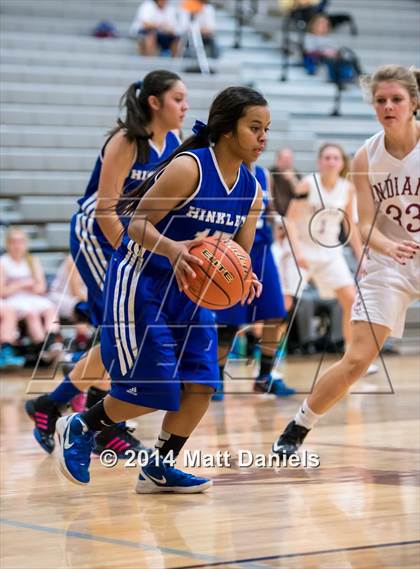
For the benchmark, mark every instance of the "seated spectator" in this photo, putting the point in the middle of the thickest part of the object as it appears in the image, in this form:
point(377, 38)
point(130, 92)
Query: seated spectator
point(67, 290)
point(285, 179)
point(319, 47)
point(23, 288)
point(157, 25)
point(301, 11)
point(8, 328)
point(204, 14)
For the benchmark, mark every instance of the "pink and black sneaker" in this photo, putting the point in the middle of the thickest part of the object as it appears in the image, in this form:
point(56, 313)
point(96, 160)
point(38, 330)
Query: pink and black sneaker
point(78, 403)
point(118, 438)
point(44, 412)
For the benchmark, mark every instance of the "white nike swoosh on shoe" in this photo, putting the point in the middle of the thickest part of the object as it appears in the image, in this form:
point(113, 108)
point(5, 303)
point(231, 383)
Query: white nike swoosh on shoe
point(277, 446)
point(67, 443)
point(159, 481)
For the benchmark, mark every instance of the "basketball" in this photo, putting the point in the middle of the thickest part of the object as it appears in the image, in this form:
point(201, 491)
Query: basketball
point(223, 278)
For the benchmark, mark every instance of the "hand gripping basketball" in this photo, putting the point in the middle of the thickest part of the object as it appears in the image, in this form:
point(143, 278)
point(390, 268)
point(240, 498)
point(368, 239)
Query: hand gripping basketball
point(183, 262)
point(224, 277)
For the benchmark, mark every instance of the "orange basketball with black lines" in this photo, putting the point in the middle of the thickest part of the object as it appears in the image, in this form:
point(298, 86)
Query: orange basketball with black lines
point(223, 278)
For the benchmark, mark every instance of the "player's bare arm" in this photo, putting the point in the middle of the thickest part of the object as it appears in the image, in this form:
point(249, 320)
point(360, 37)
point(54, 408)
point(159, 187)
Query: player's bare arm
point(175, 185)
point(118, 159)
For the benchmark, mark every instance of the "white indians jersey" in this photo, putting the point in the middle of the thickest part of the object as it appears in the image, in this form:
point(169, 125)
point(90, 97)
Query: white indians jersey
point(320, 229)
point(395, 187)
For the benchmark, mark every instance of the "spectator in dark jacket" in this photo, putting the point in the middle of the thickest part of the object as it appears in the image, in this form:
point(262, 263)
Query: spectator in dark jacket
point(285, 179)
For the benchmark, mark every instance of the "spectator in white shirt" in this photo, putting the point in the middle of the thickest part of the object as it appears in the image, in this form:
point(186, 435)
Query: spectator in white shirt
point(157, 28)
point(23, 287)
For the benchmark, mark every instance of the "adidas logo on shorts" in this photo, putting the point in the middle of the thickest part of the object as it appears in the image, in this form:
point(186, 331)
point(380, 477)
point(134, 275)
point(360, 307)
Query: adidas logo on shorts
point(132, 390)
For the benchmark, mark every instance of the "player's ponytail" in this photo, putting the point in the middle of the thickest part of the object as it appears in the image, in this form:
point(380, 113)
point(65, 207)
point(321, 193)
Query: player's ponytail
point(136, 111)
point(227, 108)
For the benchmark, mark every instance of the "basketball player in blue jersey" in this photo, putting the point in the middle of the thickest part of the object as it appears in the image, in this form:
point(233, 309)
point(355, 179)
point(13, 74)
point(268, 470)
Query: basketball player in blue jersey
point(154, 108)
point(268, 308)
point(158, 346)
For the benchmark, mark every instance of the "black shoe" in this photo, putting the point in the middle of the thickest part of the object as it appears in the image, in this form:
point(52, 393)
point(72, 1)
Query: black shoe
point(119, 439)
point(290, 440)
point(44, 413)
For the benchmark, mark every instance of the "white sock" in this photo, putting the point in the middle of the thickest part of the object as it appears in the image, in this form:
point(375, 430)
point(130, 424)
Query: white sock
point(305, 417)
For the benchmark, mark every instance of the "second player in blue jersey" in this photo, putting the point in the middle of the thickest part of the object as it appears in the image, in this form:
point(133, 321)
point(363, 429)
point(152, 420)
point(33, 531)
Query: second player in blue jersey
point(268, 308)
point(150, 111)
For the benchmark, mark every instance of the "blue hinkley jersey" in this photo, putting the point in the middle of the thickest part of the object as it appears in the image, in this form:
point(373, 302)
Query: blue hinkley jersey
point(139, 172)
point(213, 209)
point(89, 247)
point(263, 233)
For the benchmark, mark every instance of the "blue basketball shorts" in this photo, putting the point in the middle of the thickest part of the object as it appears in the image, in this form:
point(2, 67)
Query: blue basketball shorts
point(91, 253)
point(153, 338)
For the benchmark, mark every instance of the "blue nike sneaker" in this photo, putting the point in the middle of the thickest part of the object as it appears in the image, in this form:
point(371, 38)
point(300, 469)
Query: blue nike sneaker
point(157, 477)
point(76, 443)
point(275, 387)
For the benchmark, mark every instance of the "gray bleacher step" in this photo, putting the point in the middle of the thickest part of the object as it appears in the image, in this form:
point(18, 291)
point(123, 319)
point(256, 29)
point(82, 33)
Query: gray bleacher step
point(15, 158)
point(47, 41)
point(104, 117)
point(379, 40)
point(79, 137)
point(43, 32)
point(42, 209)
point(83, 160)
point(27, 114)
point(57, 235)
point(51, 260)
point(29, 93)
point(336, 125)
point(124, 11)
point(44, 183)
point(308, 89)
point(9, 211)
point(74, 137)
point(80, 22)
point(82, 95)
point(114, 78)
point(105, 61)
point(76, 8)
point(77, 26)
point(85, 43)
point(62, 41)
point(371, 59)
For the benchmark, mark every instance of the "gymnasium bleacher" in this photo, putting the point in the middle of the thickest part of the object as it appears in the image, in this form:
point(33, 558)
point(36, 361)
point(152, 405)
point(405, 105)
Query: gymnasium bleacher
point(60, 89)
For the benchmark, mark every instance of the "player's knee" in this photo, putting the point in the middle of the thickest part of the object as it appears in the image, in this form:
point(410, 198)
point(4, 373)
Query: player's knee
point(32, 317)
point(356, 364)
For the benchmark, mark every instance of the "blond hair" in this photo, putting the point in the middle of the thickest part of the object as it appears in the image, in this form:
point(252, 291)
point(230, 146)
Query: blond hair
point(408, 78)
point(28, 257)
point(346, 162)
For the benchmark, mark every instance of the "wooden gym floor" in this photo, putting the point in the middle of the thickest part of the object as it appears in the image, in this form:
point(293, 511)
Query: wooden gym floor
point(359, 509)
